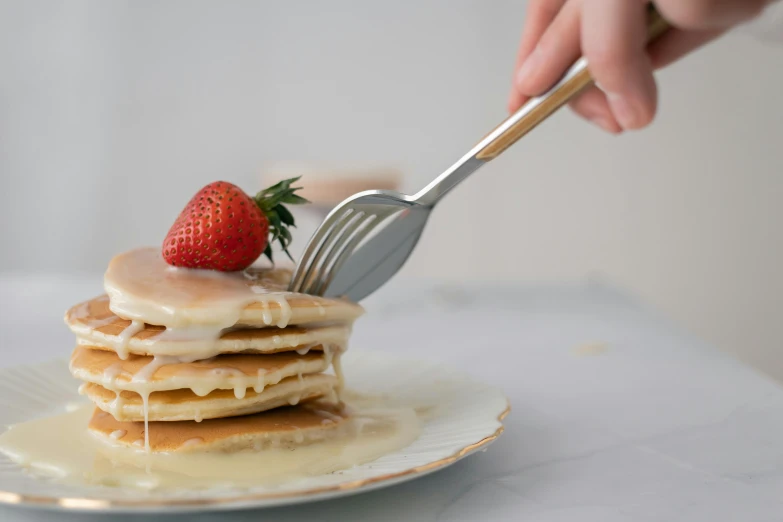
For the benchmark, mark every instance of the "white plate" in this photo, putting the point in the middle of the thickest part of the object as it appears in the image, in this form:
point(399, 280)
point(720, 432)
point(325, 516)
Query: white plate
point(469, 417)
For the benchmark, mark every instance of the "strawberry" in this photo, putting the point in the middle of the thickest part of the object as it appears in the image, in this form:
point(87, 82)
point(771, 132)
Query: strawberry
point(222, 228)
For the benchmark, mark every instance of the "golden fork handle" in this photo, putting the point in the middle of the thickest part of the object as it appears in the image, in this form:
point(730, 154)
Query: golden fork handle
point(536, 110)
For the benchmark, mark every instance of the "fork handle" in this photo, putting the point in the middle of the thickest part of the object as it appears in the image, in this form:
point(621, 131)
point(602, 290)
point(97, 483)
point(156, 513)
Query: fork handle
point(533, 112)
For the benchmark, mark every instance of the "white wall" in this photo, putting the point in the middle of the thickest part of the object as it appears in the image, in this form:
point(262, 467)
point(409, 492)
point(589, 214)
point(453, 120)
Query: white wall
point(113, 113)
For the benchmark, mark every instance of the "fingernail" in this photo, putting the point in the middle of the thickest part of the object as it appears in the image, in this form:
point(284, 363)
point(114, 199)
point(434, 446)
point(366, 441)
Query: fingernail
point(513, 101)
point(528, 68)
point(604, 123)
point(624, 111)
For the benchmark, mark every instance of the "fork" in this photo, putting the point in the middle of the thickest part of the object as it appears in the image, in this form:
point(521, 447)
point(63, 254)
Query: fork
point(352, 222)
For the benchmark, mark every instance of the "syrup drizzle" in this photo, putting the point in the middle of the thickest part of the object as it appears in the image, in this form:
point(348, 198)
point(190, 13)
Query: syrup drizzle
point(202, 381)
point(195, 306)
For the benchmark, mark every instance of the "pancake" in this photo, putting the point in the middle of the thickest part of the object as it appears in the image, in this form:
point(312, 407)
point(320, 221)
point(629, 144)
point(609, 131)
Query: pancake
point(144, 374)
point(143, 287)
point(96, 325)
point(181, 405)
point(290, 426)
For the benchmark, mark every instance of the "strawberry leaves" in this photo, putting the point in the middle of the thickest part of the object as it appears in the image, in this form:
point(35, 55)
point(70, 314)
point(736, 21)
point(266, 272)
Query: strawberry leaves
point(272, 203)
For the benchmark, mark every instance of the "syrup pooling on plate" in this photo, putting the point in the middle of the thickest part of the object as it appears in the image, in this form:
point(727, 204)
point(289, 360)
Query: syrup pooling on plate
point(76, 456)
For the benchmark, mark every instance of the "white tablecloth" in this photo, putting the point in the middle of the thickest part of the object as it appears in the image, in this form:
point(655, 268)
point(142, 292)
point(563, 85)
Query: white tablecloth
point(617, 415)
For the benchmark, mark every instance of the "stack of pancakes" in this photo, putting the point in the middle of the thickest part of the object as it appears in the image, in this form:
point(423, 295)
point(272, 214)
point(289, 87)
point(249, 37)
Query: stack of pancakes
point(260, 382)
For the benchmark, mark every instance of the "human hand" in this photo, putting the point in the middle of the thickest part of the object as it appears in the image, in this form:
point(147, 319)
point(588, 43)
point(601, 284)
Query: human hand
point(611, 34)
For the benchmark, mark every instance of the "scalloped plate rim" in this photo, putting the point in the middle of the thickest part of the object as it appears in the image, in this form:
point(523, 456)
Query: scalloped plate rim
point(245, 500)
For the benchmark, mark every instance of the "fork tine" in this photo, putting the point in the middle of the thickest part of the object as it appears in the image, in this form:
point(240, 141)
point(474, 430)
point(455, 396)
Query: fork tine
point(354, 233)
point(305, 264)
point(333, 239)
point(339, 259)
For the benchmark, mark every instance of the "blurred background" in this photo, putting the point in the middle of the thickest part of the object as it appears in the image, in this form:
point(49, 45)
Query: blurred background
point(113, 113)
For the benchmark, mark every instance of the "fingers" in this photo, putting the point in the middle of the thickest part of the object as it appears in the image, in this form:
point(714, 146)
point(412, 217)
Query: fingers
point(614, 41)
point(675, 44)
point(593, 106)
point(540, 14)
point(615, 31)
point(611, 34)
point(555, 51)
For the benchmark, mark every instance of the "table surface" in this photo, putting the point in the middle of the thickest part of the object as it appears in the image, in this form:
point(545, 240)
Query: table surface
point(617, 415)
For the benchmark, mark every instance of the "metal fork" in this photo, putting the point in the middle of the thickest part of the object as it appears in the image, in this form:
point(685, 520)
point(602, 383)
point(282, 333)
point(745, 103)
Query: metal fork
point(327, 266)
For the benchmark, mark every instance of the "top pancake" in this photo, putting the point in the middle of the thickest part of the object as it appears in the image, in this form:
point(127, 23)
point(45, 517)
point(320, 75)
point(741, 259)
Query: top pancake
point(95, 325)
point(142, 287)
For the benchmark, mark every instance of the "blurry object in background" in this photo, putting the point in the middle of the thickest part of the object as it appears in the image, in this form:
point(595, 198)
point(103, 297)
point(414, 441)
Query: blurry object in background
point(325, 186)
point(590, 349)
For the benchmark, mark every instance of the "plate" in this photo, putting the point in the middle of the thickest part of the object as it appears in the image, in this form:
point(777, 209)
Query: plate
point(466, 416)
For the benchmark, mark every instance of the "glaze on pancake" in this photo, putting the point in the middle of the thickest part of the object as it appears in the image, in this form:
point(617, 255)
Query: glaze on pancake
point(238, 372)
point(286, 426)
point(96, 325)
point(180, 405)
point(178, 345)
point(142, 287)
